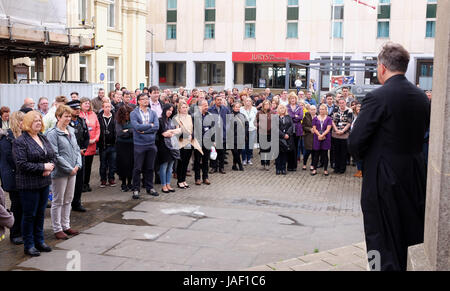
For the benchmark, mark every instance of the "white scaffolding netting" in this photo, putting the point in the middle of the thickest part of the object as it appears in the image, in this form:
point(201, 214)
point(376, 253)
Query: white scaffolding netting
point(34, 14)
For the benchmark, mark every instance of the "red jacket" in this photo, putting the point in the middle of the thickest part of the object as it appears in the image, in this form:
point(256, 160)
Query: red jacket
point(94, 131)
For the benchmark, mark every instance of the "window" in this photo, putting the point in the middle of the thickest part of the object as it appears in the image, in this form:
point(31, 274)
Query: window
point(425, 74)
point(325, 75)
point(337, 18)
point(83, 68)
point(292, 19)
point(111, 13)
point(210, 18)
point(171, 19)
point(384, 15)
point(82, 10)
point(111, 67)
point(250, 18)
point(172, 74)
point(431, 18)
point(209, 74)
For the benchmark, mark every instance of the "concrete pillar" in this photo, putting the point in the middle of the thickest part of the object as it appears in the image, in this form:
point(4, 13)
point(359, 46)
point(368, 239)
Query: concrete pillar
point(229, 74)
point(434, 253)
point(190, 74)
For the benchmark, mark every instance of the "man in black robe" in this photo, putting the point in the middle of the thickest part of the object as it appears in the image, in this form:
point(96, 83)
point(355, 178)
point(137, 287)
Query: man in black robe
point(388, 137)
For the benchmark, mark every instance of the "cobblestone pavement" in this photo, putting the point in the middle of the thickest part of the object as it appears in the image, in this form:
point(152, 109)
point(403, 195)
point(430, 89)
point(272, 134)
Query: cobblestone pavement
point(242, 220)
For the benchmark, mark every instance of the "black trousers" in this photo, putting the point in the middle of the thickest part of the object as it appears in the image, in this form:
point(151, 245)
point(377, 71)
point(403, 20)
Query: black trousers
point(183, 164)
point(281, 161)
point(144, 162)
point(323, 155)
point(201, 163)
point(340, 155)
point(219, 163)
point(237, 157)
point(264, 151)
point(292, 157)
point(88, 169)
point(16, 209)
point(306, 157)
point(76, 202)
point(333, 152)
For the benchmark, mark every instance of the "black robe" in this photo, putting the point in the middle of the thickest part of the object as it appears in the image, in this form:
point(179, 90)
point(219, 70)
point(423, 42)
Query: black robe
point(388, 137)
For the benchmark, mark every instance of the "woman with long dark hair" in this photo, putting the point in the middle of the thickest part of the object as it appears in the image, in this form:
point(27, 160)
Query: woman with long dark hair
point(168, 152)
point(125, 147)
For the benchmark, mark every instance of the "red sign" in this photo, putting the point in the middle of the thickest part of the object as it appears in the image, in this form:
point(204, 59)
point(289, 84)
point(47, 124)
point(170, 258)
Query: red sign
point(261, 57)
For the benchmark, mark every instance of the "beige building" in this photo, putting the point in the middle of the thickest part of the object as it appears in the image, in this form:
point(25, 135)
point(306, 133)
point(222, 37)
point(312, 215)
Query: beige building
point(118, 27)
point(222, 43)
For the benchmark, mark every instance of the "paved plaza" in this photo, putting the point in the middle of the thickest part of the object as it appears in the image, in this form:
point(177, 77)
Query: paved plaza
point(243, 221)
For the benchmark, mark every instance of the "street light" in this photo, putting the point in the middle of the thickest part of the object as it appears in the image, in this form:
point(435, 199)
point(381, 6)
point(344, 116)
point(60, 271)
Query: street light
point(151, 58)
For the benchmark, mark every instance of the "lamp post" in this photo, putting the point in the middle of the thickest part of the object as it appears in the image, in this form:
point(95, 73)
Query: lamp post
point(151, 58)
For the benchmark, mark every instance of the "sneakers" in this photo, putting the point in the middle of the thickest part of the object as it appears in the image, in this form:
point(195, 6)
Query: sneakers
point(244, 163)
point(249, 162)
point(135, 195)
point(112, 183)
point(103, 184)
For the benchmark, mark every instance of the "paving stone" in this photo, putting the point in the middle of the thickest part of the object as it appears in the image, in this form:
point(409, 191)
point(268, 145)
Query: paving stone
point(147, 265)
point(315, 257)
point(221, 259)
point(90, 243)
point(341, 260)
point(285, 265)
point(154, 251)
point(272, 230)
point(215, 225)
point(161, 220)
point(57, 261)
point(348, 268)
point(347, 250)
point(313, 266)
point(127, 231)
point(199, 238)
point(259, 269)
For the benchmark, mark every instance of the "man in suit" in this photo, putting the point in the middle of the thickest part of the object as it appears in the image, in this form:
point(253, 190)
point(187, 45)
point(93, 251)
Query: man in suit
point(221, 113)
point(388, 137)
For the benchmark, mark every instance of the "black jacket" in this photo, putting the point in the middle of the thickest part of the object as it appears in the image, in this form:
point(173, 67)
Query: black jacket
point(286, 126)
point(81, 132)
point(7, 164)
point(30, 159)
point(107, 132)
point(240, 129)
point(388, 137)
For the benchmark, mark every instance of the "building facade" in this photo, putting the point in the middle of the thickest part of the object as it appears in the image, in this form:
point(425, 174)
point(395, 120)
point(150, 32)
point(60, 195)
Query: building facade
point(221, 43)
point(119, 28)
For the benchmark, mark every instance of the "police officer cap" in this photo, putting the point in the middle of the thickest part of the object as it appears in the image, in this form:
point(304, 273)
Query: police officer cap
point(74, 104)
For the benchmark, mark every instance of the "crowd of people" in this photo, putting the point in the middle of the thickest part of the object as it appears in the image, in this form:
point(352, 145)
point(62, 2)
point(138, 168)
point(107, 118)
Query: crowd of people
point(154, 135)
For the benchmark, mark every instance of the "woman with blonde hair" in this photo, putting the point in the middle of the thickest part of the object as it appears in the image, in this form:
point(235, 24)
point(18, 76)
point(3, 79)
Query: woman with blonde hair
point(296, 114)
point(187, 142)
point(322, 125)
point(286, 132)
point(35, 158)
point(8, 173)
point(68, 163)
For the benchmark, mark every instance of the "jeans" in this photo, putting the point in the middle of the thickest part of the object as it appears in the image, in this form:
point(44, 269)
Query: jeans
point(108, 163)
point(34, 203)
point(359, 165)
point(247, 153)
point(144, 162)
point(165, 172)
point(63, 190)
